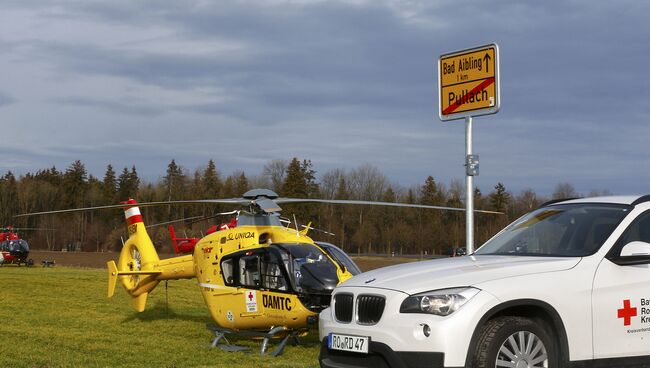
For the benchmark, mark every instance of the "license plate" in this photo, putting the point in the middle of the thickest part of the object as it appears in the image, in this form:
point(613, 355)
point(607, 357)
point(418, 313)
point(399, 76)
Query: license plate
point(357, 344)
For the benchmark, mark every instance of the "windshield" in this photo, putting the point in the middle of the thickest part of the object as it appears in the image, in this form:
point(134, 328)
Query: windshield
point(311, 270)
point(14, 246)
point(572, 230)
point(339, 255)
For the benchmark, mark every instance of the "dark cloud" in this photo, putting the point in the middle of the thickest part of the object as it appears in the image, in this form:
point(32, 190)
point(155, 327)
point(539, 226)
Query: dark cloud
point(341, 83)
point(120, 107)
point(5, 99)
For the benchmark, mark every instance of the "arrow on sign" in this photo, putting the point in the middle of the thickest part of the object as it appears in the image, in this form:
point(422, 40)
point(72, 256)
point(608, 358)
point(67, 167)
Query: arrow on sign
point(486, 60)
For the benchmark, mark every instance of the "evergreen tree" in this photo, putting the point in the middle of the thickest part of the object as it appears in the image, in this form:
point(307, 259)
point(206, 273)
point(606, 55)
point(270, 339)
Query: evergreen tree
point(431, 194)
point(309, 177)
point(8, 197)
point(294, 185)
point(174, 181)
point(212, 185)
point(109, 185)
point(241, 184)
point(478, 198)
point(300, 182)
point(75, 184)
point(51, 176)
point(196, 186)
point(430, 221)
point(135, 181)
point(127, 184)
point(499, 198)
point(228, 189)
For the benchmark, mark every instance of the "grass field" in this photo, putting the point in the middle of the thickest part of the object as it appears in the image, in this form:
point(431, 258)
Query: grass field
point(61, 317)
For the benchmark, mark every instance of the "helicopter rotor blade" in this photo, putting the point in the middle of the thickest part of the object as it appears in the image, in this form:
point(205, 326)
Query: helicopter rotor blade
point(373, 203)
point(203, 218)
point(264, 200)
point(173, 221)
point(240, 201)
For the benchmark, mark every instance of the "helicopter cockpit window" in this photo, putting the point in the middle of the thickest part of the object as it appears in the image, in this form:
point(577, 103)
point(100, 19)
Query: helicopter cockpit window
point(227, 271)
point(310, 269)
point(272, 276)
point(249, 271)
point(339, 255)
point(15, 246)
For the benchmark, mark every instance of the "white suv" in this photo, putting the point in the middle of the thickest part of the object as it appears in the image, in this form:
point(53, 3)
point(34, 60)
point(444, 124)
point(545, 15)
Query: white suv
point(565, 285)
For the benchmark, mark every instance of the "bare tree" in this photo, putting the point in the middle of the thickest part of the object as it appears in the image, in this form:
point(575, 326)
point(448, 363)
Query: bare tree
point(565, 190)
point(367, 183)
point(330, 183)
point(275, 171)
point(599, 193)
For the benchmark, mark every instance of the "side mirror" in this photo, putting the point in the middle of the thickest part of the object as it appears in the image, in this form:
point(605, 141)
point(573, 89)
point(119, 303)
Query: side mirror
point(636, 248)
point(634, 253)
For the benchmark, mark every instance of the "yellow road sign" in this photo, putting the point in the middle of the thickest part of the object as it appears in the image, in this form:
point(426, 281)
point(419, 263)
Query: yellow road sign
point(468, 82)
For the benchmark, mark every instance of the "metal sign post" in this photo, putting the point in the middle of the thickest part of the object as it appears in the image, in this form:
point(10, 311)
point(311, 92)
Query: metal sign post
point(469, 212)
point(468, 86)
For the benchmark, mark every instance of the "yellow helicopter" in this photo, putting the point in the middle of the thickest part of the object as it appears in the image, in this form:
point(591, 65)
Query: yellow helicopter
point(258, 277)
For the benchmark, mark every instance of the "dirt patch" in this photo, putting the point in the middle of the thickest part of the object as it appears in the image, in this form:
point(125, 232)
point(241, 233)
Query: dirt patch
point(78, 259)
point(98, 260)
point(371, 263)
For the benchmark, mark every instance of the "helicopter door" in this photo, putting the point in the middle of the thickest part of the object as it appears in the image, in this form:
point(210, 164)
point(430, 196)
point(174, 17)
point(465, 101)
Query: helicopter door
point(273, 277)
point(259, 270)
point(262, 276)
point(249, 271)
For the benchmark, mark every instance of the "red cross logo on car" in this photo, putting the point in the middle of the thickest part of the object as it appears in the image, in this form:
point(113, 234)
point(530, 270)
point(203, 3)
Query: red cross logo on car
point(627, 312)
point(250, 298)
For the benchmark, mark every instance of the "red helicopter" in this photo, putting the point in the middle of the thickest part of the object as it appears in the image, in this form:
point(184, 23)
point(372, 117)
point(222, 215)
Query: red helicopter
point(186, 245)
point(13, 249)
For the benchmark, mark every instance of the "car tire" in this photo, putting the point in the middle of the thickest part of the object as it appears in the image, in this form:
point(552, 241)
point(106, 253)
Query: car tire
point(515, 342)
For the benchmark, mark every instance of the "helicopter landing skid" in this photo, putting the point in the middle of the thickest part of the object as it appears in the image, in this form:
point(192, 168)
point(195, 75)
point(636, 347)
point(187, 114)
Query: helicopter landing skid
point(220, 334)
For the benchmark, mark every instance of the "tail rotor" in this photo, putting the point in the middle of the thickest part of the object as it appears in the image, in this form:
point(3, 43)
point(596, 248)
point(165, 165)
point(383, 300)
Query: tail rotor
point(137, 266)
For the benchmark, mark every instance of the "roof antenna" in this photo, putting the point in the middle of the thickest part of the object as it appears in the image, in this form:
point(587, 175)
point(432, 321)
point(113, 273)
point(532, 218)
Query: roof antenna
point(296, 223)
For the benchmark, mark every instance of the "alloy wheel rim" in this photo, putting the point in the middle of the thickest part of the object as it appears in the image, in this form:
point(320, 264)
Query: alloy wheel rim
point(522, 349)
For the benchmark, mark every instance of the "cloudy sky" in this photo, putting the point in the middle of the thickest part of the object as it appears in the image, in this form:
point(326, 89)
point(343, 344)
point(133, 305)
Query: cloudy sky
point(343, 83)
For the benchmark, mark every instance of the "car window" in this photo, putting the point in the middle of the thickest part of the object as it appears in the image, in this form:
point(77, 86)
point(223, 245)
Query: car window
point(561, 230)
point(639, 230)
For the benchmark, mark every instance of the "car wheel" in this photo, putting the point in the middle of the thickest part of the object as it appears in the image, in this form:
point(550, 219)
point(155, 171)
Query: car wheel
point(515, 342)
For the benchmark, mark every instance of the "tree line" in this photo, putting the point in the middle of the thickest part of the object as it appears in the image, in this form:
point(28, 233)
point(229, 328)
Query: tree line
point(357, 229)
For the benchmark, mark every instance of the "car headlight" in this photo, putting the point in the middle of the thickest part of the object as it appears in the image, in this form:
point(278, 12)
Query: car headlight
point(439, 302)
